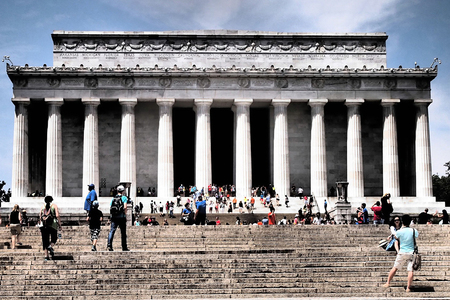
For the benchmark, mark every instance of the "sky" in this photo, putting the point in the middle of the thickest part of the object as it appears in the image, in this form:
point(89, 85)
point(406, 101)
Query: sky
point(418, 30)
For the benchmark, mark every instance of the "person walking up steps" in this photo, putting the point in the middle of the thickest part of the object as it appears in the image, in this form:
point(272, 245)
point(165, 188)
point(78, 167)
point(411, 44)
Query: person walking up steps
point(118, 214)
point(94, 218)
point(50, 222)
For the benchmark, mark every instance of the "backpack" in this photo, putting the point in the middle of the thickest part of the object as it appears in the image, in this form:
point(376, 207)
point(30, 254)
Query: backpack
point(47, 218)
point(117, 206)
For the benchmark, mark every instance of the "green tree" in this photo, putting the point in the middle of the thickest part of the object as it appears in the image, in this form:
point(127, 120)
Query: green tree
point(441, 186)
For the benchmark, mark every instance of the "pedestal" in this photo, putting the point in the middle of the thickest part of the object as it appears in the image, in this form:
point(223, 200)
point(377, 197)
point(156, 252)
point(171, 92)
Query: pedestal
point(343, 212)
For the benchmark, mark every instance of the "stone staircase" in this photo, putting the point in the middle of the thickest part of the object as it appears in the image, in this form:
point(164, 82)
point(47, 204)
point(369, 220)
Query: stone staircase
point(223, 262)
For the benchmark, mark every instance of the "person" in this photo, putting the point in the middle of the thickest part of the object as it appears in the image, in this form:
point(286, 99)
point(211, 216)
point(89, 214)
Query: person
point(95, 219)
point(50, 223)
point(238, 221)
point(317, 219)
point(286, 200)
point(186, 215)
point(444, 217)
point(325, 205)
point(217, 221)
point(377, 214)
point(365, 214)
point(386, 208)
point(265, 221)
point(394, 226)
point(283, 221)
point(406, 237)
point(200, 213)
point(90, 198)
point(118, 219)
point(424, 217)
point(15, 221)
point(166, 223)
point(272, 218)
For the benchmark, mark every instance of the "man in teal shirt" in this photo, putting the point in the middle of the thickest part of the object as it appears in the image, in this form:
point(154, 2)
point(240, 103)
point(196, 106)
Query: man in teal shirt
point(406, 238)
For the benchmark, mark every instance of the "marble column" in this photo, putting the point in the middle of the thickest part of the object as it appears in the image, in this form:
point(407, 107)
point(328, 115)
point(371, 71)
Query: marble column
point(318, 148)
point(20, 168)
point(355, 175)
point(203, 170)
point(127, 145)
point(243, 149)
point(391, 179)
point(424, 184)
point(165, 148)
point(90, 144)
point(281, 174)
point(53, 176)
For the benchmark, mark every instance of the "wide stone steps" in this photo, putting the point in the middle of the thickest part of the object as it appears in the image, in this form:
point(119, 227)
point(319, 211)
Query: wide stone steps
point(222, 262)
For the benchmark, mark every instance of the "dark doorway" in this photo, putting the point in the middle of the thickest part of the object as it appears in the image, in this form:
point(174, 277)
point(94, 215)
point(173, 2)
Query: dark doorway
point(222, 124)
point(183, 146)
point(260, 135)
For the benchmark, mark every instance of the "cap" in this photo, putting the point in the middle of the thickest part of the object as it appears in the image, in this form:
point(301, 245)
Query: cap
point(95, 203)
point(91, 185)
point(120, 188)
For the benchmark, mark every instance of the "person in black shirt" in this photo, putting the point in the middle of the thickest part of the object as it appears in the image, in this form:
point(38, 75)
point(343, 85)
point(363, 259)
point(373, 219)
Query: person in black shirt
point(95, 219)
point(424, 217)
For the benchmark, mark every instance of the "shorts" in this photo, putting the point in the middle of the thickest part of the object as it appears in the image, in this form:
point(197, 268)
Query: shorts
point(95, 232)
point(16, 229)
point(403, 258)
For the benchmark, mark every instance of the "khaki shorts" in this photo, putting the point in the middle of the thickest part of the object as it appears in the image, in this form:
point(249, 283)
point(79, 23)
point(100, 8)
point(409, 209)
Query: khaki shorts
point(403, 258)
point(15, 229)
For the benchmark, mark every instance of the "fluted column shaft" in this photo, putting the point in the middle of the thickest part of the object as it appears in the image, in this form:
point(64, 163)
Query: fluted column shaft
point(243, 148)
point(20, 168)
point(281, 174)
point(391, 179)
point(53, 177)
point(318, 149)
point(203, 170)
point(90, 144)
point(165, 148)
point(424, 184)
point(355, 175)
point(127, 145)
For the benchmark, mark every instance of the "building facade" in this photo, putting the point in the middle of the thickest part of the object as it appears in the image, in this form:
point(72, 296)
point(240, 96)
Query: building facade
point(249, 108)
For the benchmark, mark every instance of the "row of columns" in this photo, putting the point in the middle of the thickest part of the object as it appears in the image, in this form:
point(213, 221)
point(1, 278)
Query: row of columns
point(391, 182)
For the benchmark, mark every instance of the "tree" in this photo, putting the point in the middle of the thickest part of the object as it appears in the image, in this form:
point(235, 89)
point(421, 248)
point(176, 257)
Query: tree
point(441, 186)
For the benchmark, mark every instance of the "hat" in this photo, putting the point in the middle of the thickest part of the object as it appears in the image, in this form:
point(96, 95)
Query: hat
point(95, 203)
point(120, 188)
point(91, 185)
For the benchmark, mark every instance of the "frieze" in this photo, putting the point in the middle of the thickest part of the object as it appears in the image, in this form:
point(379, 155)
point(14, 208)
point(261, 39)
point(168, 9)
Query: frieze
point(203, 82)
point(53, 82)
point(282, 83)
point(72, 82)
point(244, 82)
point(390, 83)
point(422, 84)
point(128, 82)
point(165, 82)
point(91, 82)
point(261, 82)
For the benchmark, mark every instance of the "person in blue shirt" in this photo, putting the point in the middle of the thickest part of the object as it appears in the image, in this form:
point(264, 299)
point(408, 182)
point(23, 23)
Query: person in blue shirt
point(406, 238)
point(90, 198)
point(119, 220)
point(200, 213)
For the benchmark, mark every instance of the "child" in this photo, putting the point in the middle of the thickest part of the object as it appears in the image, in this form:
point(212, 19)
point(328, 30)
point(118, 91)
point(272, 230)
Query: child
point(95, 218)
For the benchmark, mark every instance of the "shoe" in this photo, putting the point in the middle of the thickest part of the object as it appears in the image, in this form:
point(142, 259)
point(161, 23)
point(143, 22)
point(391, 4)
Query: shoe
point(52, 252)
point(94, 248)
point(47, 258)
point(125, 249)
point(20, 244)
point(109, 248)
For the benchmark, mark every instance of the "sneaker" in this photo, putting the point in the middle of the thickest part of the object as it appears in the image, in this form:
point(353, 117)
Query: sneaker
point(109, 248)
point(52, 252)
point(94, 248)
point(20, 244)
point(125, 249)
point(47, 258)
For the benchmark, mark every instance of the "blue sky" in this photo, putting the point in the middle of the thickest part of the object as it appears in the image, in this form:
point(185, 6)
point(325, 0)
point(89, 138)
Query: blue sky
point(419, 31)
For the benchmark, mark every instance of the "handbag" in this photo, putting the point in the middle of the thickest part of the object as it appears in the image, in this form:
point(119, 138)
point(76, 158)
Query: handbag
point(417, 258)
point(383, 244)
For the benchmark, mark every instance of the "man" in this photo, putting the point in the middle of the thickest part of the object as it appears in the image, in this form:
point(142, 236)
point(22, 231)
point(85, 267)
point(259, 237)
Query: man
point(365, 214)
point(200, 213)
point(406, 238)
point(377, 214)
point(424, 217)
point(118, 218)
point(90, 198)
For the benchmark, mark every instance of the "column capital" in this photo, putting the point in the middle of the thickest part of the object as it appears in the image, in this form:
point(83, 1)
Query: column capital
point(389, 102)
point(165, 101)
point(243, 102)
point(317, 102)
point(354, 102)
point(55, 101)
point(91, 101)
point(128, 101)
point(205, 102)
point(281, 102)
point(23, 101)
point(426, 102)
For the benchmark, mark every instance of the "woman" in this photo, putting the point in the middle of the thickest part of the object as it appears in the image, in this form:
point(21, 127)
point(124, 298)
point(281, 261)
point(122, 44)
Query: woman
point(444, 217)
point(187, 215)
point(386, 208)
point(50, 223)
point(15, 219)
point(393, 244)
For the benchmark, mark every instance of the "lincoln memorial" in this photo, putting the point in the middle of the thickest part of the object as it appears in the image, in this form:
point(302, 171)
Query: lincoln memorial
point(249, 108)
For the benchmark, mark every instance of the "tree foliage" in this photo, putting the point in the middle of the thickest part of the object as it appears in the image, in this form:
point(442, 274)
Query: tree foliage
point(441, 186)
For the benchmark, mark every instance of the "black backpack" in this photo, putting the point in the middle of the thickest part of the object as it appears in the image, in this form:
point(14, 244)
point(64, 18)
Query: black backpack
point(117, 206)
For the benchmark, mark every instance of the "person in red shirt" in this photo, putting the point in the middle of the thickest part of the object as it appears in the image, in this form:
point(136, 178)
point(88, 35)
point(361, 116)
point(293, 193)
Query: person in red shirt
point(217, 221)
point(272, 219)
point(377, 214)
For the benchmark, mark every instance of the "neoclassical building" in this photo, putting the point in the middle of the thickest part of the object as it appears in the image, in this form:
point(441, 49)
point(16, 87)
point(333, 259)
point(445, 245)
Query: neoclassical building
point(250, 108)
